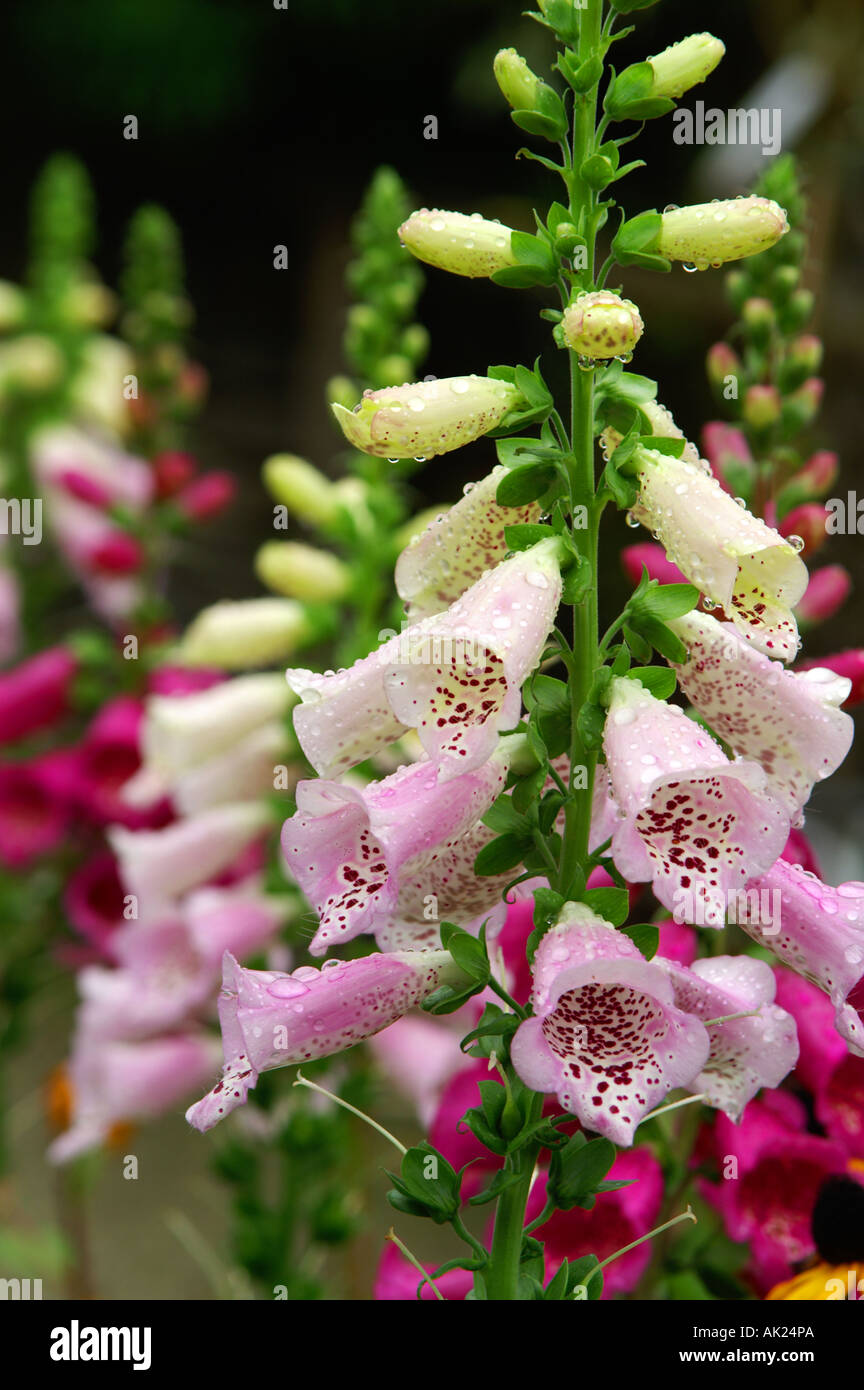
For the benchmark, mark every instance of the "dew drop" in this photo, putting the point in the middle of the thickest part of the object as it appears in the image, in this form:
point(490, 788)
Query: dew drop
point(796, 542)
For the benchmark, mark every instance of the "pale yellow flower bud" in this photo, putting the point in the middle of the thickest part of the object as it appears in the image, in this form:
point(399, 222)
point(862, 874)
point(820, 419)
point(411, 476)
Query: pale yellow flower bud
point(683, 65)
point(302, 488)
point(240, 635)
point(601, 324)
point(458, 243)
point(519, 85)
point(712, 233)
point(301, 571)
point(425, 418)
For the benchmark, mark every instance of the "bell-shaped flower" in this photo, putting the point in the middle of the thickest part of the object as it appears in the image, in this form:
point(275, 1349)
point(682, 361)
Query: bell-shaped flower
point(455, 677)
point(607, 1037)
point(695, 824)
point(36, 693)
point(425, 418)
point(713, 233)
point(747, 1053)
point(817, 930)
point(347, 847)
point(185, 731)
point(452, 241)
point(734, 558)
point(270, 1019)
point(790, 722)
point(457, 548)
point(600, 324)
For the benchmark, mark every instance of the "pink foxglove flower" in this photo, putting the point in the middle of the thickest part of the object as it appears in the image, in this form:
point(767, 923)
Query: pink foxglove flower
point(348, 848)
point(455, 677)
point(36, 804)
point(746, 1053)
point(94, 900)
point(818, 931)
point(418, 1055)
point(65, 459)
point(734, 558)
point(157, 865)
point(119, 1081)
point(36, 694)
point(425, 418)
point(693, 823)
point(396, 1281)
point(183, 731)
point(107, 757)
point(833, 1076)
point(849, 665)
point(652, 557)
point(457, 548)
point(272, 1020)
point(606, 1036)
point(789, 722)
point(728, 453)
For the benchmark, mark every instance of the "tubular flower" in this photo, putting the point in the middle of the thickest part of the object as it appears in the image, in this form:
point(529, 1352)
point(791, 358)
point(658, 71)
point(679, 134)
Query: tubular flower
point(250, 632)
point(695, 824)
point(790, 722)
point(428, 417)
point(457, 548)
point(302, 571)
point(183, 731)
point(827, 591)
point(818, 931)
point(453, 241)
point(156, 865)
point(606, 1036)
point(455, 677)
point(685, 64)
point(270, 1019)
point(729, 457)
point(734, 558)
point(347, 847)
point(746, 1053)
point(601, 324)
point(713, 233)
point(662, 425)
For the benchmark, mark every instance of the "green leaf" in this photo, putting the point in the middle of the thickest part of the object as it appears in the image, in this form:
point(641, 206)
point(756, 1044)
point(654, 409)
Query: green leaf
point(590, 723)
point(537, 124)
point(531, 383)
point(577, 582)
point(520, 277)
point(645, 936)
point(527, 789)
point(659, 681)
point(580, 1275)
point(638, 646)
point(635, 242)
point(524, 534)
point(612, 904)
point(664, 601)
point(576, 1169)
point(662, 444)
point(503, 1179)
point(502, 853)
point(502, 816)
point(661, 637)
point(469, 952)
point(429, 1182)
point(525, 483)
point(550, 694)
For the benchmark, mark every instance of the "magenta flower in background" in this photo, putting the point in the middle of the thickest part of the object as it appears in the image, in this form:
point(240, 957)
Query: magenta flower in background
point(848, 665)
point(725, 448)
point(419, 1055)
point(678, 942)
point(693, 821)
point(827, 591)
point(607, 1037)
point(396, 1281)
point(827, 1069)
point(94, 900)
point(272, 1020)
point(35, 808)
point(650, 556)
point(107, 757)
point(36, 694)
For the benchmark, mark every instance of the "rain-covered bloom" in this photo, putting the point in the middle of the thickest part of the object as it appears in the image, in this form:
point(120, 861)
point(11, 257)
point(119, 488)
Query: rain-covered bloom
point(455, 677)
point(347, 847)
point(733, 557)
point(818, 931)
point(601, 324)
point(790, 722)
point(270, 1019)
point(771, 1172)
point(453, 241)
point(747, 1053)
point(302, 571)
point(248, 632)
point(606, 1036)
point(36, 693)
point(426, 418)
point(685, 64)
point(113, 1082)
point(157, 865)
point(827, 591)
point(712, 233)
point(693, 822)
point(849, 665)
point(457, 547)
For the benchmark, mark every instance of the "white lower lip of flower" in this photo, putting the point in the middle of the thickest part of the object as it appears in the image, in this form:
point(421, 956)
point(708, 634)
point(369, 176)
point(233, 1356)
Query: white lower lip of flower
point(426, 418)
point(464, 245)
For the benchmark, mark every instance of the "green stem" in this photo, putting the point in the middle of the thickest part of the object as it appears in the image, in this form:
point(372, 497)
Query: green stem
point(502, 1281)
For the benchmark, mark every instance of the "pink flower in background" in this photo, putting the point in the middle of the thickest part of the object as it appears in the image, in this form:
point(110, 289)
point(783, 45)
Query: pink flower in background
point(798, 850)
point(694, 821)
point(10, 614)
point(35, 808)
point(789, 722)
point(418, 1055)
point(728, 453)
point(817, 930)
point(208, 496)
point(107, 757)
point(272, 1020)
point(650, 556)
point(606, 1036)
point(827, 591)
point(809, 522)
point(94, 898)
point(62, 454)
point(36, 694)
point(771, 1172)
point(825, 1067)
point(678, 942)
point(397, 1280)
point(848, 665)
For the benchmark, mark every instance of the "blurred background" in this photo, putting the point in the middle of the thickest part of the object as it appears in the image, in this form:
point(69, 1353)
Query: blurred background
point(260, 126)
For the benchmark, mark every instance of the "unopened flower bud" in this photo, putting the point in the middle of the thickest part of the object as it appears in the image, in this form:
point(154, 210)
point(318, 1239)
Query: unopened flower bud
point(31, 363)
point(452, 241)
point(301, 571)
point(708, 234)
point(820, 472)
point(721, 363)
point(758, 314)
point(826, 592)
point(808, 522)
point(567, 238)
point(761, 406)
point(388, 371)
point(248, 633)
point(806, 352)
point(785, 279)
point(685, 64)
point(301, 487)
point(601, 324)
point(798, 310)
point(88, 305)
point(802, 406)
point(208, 496)
point(13, 306)
point(519, 85)
point(342, 389)
point(427, 418)
point(173, 470)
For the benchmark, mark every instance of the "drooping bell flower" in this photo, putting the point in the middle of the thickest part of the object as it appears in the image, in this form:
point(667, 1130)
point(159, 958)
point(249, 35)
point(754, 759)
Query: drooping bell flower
point(734, 558)
point(455, 677)
point(244, 773)
point(827, 591)
point(270, 1019)
point(695, 825)
point(471, 246)
point(457, 548)
point(347, 846)
point(709, 234)
point(107, 757)
point(606, 1036)
point(746, 1053)
point(94, 900)
point(818, 932)
point(426, 418)
point(36, 693)
point(790, 722)
point(157, 865)
point(601, 324)
point(120, 1081)
point(184, 731)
